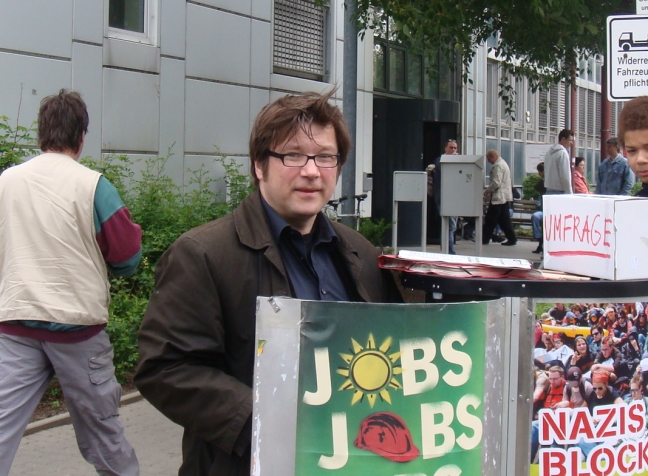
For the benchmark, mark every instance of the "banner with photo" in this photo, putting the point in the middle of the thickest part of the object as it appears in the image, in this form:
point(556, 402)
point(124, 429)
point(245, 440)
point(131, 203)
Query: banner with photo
point(590, 396)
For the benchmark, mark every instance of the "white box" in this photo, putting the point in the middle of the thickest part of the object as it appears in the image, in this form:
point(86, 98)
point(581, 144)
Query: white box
point(595, 235)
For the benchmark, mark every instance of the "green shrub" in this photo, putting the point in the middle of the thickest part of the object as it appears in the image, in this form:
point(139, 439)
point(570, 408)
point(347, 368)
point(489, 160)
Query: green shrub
point(164, 212)
point(528, 187)
point(635, 188)
point(374, 230)
point(14, 143)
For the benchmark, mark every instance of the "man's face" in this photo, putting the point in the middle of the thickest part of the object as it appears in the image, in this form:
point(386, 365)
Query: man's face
point(612, 150)
point(606, 349)
point(600, 388)
point(555, 379)
point(557, 342)
point(297, 194)
point(596, 335)
point(636, 148)
point(451, 148)
point(567, 142)
point(635, 391)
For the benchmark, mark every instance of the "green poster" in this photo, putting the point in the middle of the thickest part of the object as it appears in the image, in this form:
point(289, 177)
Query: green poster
point(391, 390)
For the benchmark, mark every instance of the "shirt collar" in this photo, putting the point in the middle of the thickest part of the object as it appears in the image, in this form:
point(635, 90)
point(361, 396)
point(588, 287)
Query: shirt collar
point(322, 229)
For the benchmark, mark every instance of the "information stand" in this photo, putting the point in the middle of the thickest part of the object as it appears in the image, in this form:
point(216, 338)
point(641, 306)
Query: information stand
point(517, 332)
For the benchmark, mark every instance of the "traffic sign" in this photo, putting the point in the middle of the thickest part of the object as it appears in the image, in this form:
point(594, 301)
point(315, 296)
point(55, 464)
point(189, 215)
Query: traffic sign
point(627, 57)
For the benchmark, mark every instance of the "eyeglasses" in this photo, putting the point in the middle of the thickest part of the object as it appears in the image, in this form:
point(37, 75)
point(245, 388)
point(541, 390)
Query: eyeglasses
point(557, 341)
point(635, 390)
point(596, 334)
point(323, 161)
point(600, 389)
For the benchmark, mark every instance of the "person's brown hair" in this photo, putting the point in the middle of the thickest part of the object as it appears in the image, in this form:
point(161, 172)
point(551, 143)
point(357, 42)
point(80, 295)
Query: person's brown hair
point(62, 120)
point(634, 116)
point(557, 368)
point(283, 118)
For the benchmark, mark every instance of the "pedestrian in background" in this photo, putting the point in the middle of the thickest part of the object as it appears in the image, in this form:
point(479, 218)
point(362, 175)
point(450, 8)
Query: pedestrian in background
point(498, 194)
point(558, 165)
point(614, 174)
point(579, 182)
point(536, 217)
point(450, 148)
point(62, 227)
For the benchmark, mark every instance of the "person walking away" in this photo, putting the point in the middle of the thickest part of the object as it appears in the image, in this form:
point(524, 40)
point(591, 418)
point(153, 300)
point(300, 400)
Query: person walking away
point(579, 182)
point(197, 339)
point(62, 228)
point(536, 217)
point(615, 177)
point(558, 165)
point(498, 195)
point(633, 136)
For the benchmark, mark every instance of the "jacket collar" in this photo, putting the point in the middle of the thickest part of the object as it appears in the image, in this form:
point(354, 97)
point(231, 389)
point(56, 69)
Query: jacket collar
point(251, 223)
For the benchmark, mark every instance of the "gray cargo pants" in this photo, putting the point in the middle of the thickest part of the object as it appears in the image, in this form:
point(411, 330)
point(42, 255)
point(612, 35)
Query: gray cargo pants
point(87, 376)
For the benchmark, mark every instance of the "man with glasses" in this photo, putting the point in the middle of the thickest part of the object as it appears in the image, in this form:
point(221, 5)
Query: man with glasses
point(551, 397)
point(197, 339)
point(596, 339)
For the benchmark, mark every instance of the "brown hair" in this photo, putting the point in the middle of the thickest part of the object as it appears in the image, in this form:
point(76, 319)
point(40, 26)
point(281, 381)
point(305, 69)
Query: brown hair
point(282, 119)
point(556, 368)
point(634, 116)
point(62, 120)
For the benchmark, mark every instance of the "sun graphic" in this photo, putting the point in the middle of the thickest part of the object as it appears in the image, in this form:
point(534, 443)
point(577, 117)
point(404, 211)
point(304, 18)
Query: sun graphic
point(370, 371)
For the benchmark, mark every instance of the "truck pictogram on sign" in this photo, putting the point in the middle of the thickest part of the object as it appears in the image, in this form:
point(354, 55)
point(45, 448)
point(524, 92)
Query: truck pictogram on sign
point(628, 43)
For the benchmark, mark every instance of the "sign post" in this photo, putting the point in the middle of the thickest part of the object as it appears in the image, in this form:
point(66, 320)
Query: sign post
point(627, 55)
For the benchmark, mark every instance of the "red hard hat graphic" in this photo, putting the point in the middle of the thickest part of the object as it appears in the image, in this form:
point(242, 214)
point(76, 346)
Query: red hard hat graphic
point(387, 435)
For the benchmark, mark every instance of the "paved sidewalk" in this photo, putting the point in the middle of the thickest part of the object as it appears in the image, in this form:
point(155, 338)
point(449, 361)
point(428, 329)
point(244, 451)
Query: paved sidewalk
point(157, 442)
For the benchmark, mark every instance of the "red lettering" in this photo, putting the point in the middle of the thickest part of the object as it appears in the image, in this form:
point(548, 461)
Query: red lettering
point(552, 426)
point(605, 429)
point(556, 227)
point(602, 461)
point(643, 455)
point(552, 462)
point(637, 417)
point(606, 232)
point(587, 230)
point(621, 459)
point(565, 227)
point(595, 231)
point(581, 425)
point(576, 236)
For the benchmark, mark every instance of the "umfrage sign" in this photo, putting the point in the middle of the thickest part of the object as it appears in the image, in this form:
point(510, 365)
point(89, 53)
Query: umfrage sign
point(594, 235)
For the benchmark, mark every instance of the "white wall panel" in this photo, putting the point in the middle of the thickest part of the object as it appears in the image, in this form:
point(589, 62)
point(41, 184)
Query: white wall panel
point(293, 84)
point(337, 65)
point(217, 116)
point(260, 53)
point(131, 111)
point(238, 6)
point(218, 45)
point(131, 55)
point(88, 21)
point(25, 80)
point(37, 26)
point(172, 114)
point(87, 79)
point(258, 99)
point(173, 27)
point(262, 9)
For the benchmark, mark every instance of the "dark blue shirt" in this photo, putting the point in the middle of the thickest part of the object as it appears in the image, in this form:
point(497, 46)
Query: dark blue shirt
point(310, 260)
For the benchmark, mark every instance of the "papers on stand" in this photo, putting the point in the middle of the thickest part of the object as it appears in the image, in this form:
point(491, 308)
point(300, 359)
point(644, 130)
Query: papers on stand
point(459, 266)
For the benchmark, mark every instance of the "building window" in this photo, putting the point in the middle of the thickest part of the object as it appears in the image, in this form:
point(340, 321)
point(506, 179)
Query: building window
point(396, 69)
point(300, 37)
point(133, 20)
point(491, 90)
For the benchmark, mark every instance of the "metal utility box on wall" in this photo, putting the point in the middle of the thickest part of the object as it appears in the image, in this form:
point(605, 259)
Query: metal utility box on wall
point(462, 185)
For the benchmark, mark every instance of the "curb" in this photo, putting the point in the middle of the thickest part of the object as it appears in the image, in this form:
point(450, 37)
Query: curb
point(64, 418)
